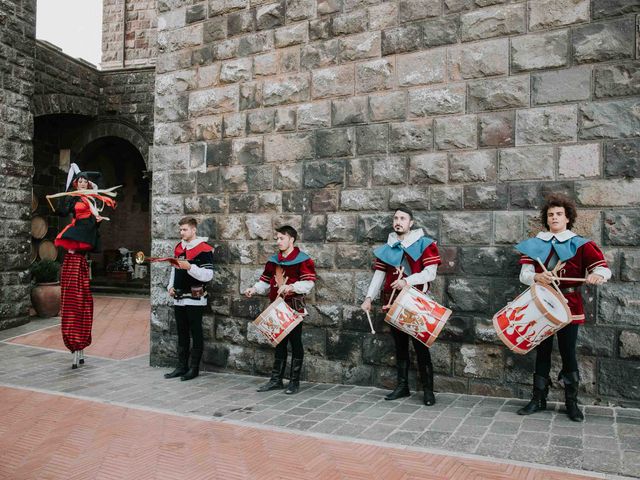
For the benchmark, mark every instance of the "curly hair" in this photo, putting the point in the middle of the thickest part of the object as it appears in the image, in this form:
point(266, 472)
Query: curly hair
point(559, 200)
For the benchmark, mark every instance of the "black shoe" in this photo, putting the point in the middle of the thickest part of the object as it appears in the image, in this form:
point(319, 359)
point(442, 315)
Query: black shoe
point(193, 372)
point(426, 375)
point(402, 389)
point(277, 372)
point(294, 382)
point(178, 372)
point(539, 399)
point(571, 384)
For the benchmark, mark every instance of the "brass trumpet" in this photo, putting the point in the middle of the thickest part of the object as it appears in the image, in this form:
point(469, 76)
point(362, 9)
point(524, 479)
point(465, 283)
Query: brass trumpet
point(141, 258)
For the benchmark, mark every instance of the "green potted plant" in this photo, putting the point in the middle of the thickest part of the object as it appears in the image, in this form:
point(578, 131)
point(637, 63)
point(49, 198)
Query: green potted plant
point(45, 295)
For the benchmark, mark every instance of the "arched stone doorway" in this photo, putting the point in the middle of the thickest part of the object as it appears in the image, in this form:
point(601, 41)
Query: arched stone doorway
point(120, 163)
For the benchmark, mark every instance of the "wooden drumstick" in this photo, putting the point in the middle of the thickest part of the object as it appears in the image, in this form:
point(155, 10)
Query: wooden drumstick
point(393, 292)
point(370, 323)
point(283, 284)
point(570, 279)
point(553, 283)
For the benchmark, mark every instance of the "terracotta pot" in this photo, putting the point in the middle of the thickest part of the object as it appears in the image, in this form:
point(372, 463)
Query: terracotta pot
point(45, 298)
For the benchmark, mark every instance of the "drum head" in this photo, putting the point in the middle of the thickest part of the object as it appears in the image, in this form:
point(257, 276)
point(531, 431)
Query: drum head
point(47, 250)
point(38, 227)
point(550, 302)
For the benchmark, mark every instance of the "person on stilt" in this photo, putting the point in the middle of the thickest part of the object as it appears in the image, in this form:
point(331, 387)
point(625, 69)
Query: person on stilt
point(79, 238)
point(580, 257)
point(187, 287)
point(300, 273)
point(419, 256)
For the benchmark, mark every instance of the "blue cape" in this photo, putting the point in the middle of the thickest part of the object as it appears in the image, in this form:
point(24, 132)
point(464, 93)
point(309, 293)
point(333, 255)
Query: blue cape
point(539, 248)
point(392, 255)
point(301, 257)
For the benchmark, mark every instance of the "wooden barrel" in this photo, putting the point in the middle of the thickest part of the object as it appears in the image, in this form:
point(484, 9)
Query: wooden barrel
point(34, 201)
point(39, 227)
point(34, 252)
point(47, 250)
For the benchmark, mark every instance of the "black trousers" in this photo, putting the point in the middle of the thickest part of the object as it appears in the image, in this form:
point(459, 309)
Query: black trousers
point(295, 338)
point(401, 340)
point(567, 338)
point(189, 324)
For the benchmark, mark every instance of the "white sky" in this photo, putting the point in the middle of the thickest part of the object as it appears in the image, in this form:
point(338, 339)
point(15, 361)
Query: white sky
point(73, 25)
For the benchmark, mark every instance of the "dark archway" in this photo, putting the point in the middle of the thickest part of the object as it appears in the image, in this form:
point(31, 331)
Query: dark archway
point(120, 163)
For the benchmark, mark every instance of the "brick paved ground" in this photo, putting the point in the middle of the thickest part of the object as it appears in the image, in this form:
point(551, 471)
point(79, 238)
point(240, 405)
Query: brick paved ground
point(607, 442)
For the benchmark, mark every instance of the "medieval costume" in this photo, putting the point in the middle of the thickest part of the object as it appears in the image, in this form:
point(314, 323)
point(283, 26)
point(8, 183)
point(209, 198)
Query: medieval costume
point(579, 255)
point(78, 238)
point(299, 271)
point(419, 256)
point(189, 301)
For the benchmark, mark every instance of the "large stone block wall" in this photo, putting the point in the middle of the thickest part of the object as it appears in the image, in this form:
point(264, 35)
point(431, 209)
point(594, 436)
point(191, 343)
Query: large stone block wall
point(328, 114)
point(17, 44)
point(128, 33)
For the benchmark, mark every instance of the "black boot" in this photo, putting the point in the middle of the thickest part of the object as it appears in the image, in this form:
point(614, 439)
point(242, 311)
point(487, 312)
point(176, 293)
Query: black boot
point(294, 382)
point(539, 400)
point(571, 382)
point(402, 389)
point(426, 375)
point(194, 369)
point(183, 362)
point(277, 372)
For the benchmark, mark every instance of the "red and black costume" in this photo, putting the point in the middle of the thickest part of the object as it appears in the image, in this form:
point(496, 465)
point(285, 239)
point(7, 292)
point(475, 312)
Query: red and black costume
point(581, 257)
point(189, 301)
point(300, 272)
point(419, 256)
point(78, 238)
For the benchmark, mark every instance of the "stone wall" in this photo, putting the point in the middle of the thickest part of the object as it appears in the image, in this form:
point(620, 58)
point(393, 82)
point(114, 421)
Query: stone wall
point(329, 114)
point(17, 43)
point(128, 33)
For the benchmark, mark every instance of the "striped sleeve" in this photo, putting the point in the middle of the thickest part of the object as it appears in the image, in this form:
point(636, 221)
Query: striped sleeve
point(269, 270)
point(431, 256)
point(307, 271)
point(379, 265)
point(524, 260)
point(593, 257)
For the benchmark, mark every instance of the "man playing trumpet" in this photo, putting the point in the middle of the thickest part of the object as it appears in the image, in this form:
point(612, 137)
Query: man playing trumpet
point(187, 288)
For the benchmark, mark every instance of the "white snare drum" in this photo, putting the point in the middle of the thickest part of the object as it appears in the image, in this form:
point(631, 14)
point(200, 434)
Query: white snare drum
point(277, 321)
point(418, 315)
point(535, 315)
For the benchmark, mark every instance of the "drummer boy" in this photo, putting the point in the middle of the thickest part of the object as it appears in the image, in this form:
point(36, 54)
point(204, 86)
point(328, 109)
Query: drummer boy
point(564, 254)
point(408, 258)
point(292, 274)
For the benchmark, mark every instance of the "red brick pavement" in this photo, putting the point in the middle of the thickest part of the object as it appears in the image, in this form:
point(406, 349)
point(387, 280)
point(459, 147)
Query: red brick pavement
point(46, 436)
point(120, 329)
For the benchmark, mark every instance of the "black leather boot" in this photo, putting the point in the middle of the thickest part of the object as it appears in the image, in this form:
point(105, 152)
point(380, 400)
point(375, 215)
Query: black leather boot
point(426, 375)
point(194, 369)
point(402, 389)
point(571, 382)
point(183, 364)
point(277, 372)
point(294, 382)
point(539, 400)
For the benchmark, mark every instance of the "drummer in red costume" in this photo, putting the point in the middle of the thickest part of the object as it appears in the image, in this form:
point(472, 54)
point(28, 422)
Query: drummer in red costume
point(419, 256)
point(300, 273)
point(581, 257)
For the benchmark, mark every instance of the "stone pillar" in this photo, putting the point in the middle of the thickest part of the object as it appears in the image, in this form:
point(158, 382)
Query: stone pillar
point(17, 37)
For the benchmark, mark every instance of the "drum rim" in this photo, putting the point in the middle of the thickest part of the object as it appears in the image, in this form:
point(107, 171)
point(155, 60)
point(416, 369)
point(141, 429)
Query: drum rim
point(500, 332)
point(544, 310)
point(434, 336)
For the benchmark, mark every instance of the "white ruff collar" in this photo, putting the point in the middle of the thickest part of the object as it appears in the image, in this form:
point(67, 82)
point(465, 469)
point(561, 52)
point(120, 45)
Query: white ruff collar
point(192, 243)
point(409, 239)
point(561, 237)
